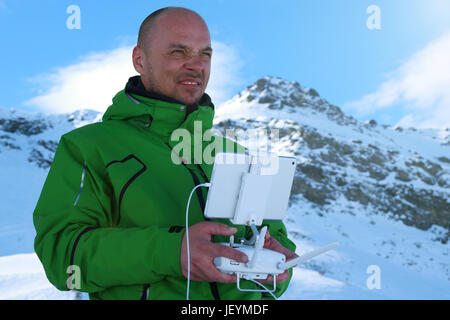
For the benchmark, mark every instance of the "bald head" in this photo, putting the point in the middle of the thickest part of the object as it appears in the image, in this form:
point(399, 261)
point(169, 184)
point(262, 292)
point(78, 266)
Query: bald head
point(173, 55)
point(149, 25)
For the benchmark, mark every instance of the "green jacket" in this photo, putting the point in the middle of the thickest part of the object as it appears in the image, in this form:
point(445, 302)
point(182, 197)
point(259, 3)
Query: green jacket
point(114, 204)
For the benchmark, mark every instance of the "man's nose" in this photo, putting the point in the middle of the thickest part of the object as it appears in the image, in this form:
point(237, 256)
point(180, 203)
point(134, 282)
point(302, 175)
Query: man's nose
point(195, 63)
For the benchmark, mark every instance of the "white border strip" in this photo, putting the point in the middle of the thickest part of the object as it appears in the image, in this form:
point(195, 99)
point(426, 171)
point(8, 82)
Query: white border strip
point(82, 182)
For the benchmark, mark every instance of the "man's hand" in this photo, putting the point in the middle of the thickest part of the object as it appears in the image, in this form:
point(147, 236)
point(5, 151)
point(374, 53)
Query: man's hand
point(273, 244)
point(203, 252)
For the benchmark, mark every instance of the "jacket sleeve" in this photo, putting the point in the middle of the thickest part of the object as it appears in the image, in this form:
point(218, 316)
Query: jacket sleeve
point(75, 227)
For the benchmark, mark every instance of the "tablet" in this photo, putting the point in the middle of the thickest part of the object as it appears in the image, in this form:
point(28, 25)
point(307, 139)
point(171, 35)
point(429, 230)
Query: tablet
point(226, 180)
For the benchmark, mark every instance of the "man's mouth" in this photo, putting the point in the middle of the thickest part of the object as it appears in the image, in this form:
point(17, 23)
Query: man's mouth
point(192, 83)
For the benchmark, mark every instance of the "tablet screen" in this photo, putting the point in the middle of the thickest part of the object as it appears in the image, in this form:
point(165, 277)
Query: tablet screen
point(226, 183)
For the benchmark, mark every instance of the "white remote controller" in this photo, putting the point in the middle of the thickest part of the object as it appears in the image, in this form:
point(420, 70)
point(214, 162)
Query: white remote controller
point(268, 262)
point(263, 262)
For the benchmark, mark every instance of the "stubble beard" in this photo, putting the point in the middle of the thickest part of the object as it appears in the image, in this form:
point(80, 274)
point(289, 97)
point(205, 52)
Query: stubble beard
point(156, 88)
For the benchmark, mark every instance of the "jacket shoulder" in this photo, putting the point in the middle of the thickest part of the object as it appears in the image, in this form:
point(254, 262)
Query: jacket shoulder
point(87, 131)
point(98, 133)
point(88, 139)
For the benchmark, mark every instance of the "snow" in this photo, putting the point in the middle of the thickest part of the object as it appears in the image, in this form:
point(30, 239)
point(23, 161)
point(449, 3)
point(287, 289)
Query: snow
point(22, 277)
point(412, 264)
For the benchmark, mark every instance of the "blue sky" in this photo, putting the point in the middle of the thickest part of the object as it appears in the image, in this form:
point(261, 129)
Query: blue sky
point(398, 74)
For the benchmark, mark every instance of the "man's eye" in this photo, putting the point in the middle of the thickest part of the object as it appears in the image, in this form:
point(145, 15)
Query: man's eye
point(178, 52)
point(208, 54)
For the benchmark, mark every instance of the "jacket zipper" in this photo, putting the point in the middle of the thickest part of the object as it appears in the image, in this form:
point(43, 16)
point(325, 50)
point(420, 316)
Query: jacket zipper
point(144, 293)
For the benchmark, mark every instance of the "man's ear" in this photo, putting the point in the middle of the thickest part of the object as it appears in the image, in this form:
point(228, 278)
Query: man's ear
point(138, 59)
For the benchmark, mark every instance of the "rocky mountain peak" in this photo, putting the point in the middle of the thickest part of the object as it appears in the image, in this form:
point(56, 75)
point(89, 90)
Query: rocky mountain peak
point(280, 93)
point(276, 98)
point(272, 84)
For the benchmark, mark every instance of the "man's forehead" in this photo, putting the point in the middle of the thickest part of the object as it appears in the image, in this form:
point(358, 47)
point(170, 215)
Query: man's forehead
point(183, 32)
point(174, 17)
point(181, 26)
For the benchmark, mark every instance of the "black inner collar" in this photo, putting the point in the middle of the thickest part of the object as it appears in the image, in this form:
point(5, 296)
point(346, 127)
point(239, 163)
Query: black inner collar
point(135, 85)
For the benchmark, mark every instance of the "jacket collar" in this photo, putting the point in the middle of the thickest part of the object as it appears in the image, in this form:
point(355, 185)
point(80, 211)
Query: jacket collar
point(135, 86)
point(159, 114)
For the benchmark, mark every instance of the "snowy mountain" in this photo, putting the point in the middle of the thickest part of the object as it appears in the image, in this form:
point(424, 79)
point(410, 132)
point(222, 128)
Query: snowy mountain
point(382, 192)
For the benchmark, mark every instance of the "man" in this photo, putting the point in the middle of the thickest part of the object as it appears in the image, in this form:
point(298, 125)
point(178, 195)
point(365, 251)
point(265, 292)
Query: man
point(112, 209)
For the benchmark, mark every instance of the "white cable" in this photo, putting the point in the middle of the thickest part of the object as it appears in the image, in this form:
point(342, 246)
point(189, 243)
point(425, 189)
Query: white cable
point(260, 284)
point(187, 236)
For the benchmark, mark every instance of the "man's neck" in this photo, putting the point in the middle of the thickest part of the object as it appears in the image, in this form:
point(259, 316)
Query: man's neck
point(136, 86)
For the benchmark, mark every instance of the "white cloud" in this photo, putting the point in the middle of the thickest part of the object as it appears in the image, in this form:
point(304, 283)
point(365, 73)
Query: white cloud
point(421, 85)
point(96, 78)
point(225, 76)
point(89, 84)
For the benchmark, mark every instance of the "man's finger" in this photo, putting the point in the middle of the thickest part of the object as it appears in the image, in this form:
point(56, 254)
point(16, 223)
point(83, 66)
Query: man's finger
point(273, 244)
point(212, 274)
point(280, 278)
point(217, 228)
point(228, 252)
point(283, 277)
point(218, 276)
